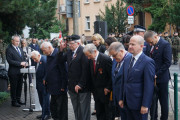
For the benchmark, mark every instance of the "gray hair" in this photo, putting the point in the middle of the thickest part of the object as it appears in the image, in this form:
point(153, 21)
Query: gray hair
point(139, 38)
point(116, 46)
point(46, 45)
point(77, 41)
point(89, 48)
point(14, 36)
point(149, 34)
point(35, 53)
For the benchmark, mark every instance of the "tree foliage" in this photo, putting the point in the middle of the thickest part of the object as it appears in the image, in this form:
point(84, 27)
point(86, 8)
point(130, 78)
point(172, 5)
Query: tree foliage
point(116, 16)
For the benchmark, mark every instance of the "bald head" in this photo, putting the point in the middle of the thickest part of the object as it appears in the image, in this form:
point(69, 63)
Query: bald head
point(136, 44)
point(47, 48)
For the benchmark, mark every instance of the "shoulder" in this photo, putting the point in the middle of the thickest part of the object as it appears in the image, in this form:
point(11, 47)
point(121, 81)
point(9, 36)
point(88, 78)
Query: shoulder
point(104, 56)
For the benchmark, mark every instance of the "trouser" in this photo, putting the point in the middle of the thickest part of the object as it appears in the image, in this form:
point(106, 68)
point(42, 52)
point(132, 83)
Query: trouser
point(16, 82)
point(175, 55)
point(102, 110)
point(163, 99)
point(135, 114)
point(81, 105)
point(59, 107)
point(120, 112)
point(44, 101)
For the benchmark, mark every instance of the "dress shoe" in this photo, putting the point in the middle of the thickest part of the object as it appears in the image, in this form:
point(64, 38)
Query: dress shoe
point(15, 104)
point(39, 116)
point(93, 113)
point(46, 117)
point(20, 102)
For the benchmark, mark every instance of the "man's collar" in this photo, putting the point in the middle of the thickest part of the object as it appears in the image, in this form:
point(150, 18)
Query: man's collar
point(76, 49)
point(96, 56)
point(52, 52)
point(137, 56)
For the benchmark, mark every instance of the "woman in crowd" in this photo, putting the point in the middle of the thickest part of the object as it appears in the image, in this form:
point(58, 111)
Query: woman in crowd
point(98, 41)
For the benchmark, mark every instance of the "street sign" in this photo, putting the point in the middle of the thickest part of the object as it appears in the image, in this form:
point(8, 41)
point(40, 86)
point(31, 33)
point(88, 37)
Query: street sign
point(130, 19)
point(130, 10)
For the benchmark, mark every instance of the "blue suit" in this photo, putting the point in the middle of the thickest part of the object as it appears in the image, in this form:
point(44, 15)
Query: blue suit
point(42, 92)
point(138, 85)
point(162, 55)
point(116, 84)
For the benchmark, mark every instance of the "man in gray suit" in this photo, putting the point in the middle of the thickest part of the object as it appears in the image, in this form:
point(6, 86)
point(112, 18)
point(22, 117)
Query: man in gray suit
point(16, 60)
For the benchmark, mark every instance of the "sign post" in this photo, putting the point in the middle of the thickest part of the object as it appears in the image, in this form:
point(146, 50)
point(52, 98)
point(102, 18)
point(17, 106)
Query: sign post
point(130, 12)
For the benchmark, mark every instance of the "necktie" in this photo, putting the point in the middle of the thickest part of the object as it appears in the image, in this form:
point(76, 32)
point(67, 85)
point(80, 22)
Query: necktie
point(116, 69)
point(151, 52)
point(94, 65)
point(18, 51)
point(131, 64)
point(72, 55)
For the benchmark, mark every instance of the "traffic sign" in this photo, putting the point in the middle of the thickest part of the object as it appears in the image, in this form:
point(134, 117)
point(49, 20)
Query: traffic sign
point(130, 19)
point(130, 10)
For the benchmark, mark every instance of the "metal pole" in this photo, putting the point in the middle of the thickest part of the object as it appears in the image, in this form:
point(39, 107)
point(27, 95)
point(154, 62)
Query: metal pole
point(75, 17)
point(175, 96)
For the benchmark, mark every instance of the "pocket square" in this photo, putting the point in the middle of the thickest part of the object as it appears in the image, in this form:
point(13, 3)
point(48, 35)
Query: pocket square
point(136, 69)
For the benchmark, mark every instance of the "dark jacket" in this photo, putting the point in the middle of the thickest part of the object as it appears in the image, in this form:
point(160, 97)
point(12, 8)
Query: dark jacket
point(14, 60)
point(101, 48)
point(102, 77)
point(56, 74)
point(78, 71)
point(41, 73)
point(162, 55)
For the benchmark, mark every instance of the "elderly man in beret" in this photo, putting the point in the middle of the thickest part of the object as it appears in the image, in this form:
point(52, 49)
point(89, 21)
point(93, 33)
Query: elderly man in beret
point(78, 77)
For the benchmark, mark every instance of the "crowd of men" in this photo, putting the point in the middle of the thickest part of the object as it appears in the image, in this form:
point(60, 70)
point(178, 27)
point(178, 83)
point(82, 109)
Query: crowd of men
point(124, 71)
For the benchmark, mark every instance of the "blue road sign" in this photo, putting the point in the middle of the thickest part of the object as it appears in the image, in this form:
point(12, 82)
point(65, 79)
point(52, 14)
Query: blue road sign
point(130, 10)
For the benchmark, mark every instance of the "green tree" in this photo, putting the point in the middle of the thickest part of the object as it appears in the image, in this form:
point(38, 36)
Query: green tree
point(14, 14)
point(159, 12)
point(174, 13)
point(116, 16)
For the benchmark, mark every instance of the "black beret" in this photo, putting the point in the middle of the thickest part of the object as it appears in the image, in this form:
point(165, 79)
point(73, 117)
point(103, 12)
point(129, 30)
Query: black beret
point(74, 37)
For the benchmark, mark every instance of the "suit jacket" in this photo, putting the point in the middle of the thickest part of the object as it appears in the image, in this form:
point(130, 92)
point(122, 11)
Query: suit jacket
point(36, 47)
point(102, 77)
point(14, 60)
point(56, 74)
point(78, 70)
point(117, 79)
point(41, 73)
point(138, 84)
point(101, 48)
point(162, 56)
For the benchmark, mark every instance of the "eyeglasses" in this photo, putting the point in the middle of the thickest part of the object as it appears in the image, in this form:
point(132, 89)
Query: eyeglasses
point(71, 43)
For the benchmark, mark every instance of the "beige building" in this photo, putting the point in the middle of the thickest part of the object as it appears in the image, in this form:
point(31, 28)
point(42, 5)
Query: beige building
point(89, 13)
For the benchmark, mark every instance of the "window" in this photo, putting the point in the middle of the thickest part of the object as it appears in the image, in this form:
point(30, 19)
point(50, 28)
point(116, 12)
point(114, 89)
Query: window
point(86, 1)
point(87, 23)
point(96, 0)
point(98, 18)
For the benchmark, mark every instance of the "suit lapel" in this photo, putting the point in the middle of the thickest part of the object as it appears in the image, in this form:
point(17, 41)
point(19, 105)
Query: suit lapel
point(98, 62)
point(16, 52)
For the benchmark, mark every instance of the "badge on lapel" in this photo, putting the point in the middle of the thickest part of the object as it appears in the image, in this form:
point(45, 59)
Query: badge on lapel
point(100, 70)
point(74, 56)
point(40, 63)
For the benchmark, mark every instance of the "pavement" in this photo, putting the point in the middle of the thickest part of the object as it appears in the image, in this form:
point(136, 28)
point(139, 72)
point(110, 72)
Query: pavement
point(7, 112)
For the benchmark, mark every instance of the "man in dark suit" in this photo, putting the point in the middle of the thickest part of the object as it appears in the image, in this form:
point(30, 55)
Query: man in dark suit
point(138, 81)
point(16, 60)
point(100, 69)
point(160, 52)
point(40, 84)
point(78, 77)
point(56, 81)
point(118, 52)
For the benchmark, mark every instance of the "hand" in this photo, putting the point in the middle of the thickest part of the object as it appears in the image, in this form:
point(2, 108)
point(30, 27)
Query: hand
point(62, 45)
point(77, 88)
point(121, 103)
point(144, 110)
point(106, 91)
point(24, 64)
point(155, 76)
point(44, 82)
